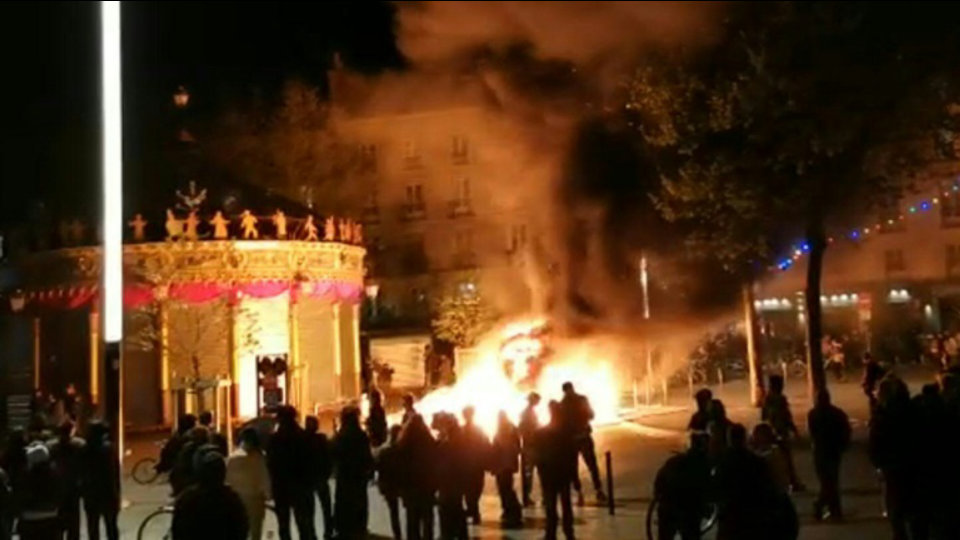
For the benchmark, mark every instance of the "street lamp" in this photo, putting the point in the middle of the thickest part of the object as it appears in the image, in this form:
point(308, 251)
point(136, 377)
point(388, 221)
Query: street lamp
point(17, 301)
point(372, 291)
point(181, 98)
point(112, 269)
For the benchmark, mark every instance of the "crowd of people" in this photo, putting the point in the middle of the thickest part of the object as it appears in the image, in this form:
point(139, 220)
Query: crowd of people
point(912, 442)
point(433, 468)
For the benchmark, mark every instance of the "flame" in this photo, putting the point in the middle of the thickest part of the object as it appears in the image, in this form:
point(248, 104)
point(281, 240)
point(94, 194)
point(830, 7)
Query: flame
point(511, 363)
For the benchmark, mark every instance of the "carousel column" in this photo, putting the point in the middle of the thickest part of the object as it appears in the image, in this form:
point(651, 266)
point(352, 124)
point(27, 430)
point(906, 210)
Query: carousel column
point(337, 353)
point(299, 376)
point(36, 353)
point(163, 314)
point(232, 355)
point(355, 339)
point(94, 352)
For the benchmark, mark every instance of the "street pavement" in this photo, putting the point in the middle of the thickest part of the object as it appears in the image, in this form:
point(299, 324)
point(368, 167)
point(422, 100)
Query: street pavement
point(638, 447)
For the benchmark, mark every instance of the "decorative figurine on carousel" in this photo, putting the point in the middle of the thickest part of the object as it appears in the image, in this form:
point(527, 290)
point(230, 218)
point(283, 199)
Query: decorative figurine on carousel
point(358, 233)
point(139, 226)
point(310, 228)
point(345, 230)
point(248, 222)
point(280, 222)
point(174, 226)
point(220, 226)
point(190, 227)
point(329, 230)
point(191, 200)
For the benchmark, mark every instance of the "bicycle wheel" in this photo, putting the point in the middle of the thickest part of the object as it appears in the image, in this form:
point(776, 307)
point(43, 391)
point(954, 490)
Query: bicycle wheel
point(156, 525)
point(144, 471)
point(709, 520)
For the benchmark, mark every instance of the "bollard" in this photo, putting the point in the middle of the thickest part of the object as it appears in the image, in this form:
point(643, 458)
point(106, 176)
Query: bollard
point(720, 376)
point(610, 502)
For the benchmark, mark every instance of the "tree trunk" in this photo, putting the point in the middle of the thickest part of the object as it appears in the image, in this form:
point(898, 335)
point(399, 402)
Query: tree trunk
point(816, 377)
point(753, 346)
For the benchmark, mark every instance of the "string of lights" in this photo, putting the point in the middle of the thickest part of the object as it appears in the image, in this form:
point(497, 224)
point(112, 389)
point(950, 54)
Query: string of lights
point(857, 234)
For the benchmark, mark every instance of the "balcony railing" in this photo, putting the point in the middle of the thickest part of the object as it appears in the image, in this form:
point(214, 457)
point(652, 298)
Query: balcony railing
point(460, 208)
point(414, 211)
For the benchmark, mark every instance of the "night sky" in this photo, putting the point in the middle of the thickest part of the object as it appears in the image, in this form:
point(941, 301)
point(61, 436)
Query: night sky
point(220, 51)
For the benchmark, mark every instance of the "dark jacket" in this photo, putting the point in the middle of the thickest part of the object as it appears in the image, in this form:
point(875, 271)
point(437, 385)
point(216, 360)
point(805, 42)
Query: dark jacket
point(215, 511)
point(776, 412)
point(67, 458)
point(506, 450)
point(320, 456)
point(377, 425)
point(556, 454)
point(288, 460)
point(101, 469)
point(683, 484)
point(576, 414)
point(830, 431)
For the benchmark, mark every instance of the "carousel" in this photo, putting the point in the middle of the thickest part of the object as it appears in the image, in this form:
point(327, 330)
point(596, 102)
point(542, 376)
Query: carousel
point(234, 313)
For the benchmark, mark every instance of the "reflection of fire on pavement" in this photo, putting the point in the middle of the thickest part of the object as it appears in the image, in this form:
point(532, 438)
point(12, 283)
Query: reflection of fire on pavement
point(524, 357)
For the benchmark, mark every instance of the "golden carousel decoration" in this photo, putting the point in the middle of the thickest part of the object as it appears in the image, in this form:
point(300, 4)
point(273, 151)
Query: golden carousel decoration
point(208, 301)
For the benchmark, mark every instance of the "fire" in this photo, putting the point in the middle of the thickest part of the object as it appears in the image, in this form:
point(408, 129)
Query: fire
point(523, 357)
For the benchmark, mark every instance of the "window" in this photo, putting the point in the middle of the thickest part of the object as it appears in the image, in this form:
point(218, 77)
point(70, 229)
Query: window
point(893, 261)
point(463, 254)
point(414, 206)
point(411, 155)
point(949, 205)
point(460, 150)
point(461, 203)
point(516, 238)
point(953, 260)
point(367, 156)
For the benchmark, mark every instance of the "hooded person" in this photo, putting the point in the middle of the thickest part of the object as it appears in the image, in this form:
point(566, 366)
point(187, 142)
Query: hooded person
point(40, 497)
point(291, 475)
point(353, 469)
point(100, 482)
point(209, 508)
point(418, 451)
point(66, 454)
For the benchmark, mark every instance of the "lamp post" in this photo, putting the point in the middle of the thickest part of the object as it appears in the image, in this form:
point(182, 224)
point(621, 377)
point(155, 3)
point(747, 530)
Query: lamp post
point(181, 98)
point(372, 291)
point(112, 266)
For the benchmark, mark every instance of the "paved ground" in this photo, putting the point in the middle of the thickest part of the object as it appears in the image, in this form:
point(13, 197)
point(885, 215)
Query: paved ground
point(638, 448)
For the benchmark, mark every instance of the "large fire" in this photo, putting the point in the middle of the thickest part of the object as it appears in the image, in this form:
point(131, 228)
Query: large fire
point(525, 357)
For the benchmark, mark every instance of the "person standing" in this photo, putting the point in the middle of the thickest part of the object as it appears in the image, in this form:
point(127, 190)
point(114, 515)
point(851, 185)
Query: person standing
point(408, 408)
point(417, 449)
point(893, 439)
point(506, 452)
point(830, 432)
point(389, 478)
point(529, 424)
point(476, 446)
point(776, 412)
point(700, 419)
point(247, 475)
point(209, 508)
point(40, 497)
point(66, 456)
point(577, 415)
point(100, 488)
point(354, 468)
point(449, 469)
point(681, 490)
point(215, 437)
point(321, 461)
point(556, 465)
point(288, 460)
point(376, 420)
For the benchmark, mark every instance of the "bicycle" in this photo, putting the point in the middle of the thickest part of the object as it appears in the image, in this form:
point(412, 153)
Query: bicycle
point(706, 523)
point(144, 470)
point(157, 525)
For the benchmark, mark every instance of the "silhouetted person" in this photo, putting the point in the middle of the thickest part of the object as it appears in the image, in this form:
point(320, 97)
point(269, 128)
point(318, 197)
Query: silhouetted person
point(529, 424)
point(408, 409)
point(894, 437)
point(682, 489)
point(556, 466)
point(577, 414)
point(763, 441)
point(700, 419)
point(183, 475)
point(171, 449)
point(476, 448)
point(505, 464)
point(830, 433)
point(247, 475)
point(419, 453)
point(354, 468)
point(776, 412)
point(216, 438)
point(750, 506)
point(209, 508)
point(66, 456)
point(389, 463)
point(322, 462)
point(376, 419)
point(718, 429)
point(449, 470)
point(6, 507)
point(39, 496)
point(291, 475)
point(872, 374)
point(101, 489)
point(937, 470)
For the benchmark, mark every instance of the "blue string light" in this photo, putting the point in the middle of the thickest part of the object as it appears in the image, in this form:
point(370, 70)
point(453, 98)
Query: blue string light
point(805, 247)
point(855, 235)
point(924, 205)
